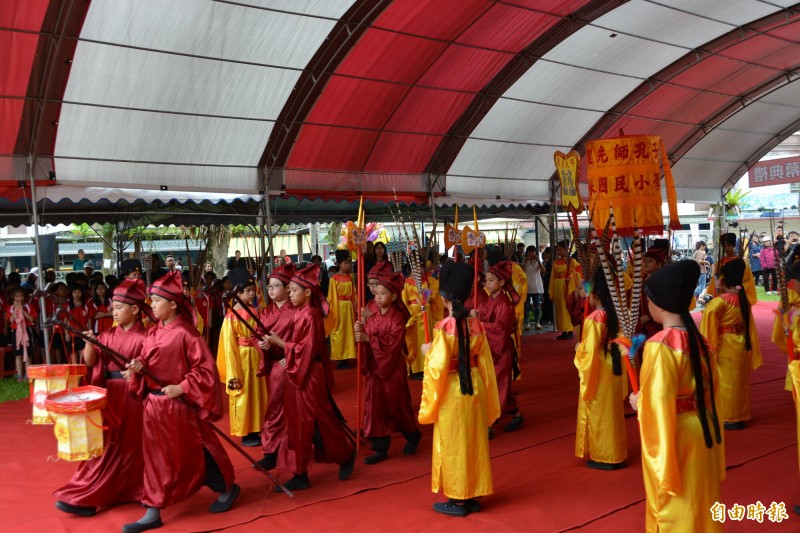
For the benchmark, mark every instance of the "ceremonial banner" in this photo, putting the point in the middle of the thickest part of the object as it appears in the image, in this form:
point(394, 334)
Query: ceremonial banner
point(626, 173)
point(568, 166)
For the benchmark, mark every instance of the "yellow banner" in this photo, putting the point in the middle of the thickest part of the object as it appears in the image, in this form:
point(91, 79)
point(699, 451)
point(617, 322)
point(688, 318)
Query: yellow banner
point(625, 173)
point(568, 167)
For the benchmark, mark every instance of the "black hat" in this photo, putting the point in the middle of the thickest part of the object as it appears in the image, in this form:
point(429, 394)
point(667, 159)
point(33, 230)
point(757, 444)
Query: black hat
point(185, 278)
point(672, 287)
point(455, 281)
point(240, 277)
point(494, 256)
point(130, 265)
point(660, 244)
point(342, 255)
point(727, 238)
point(563, 244)
point(733, 272)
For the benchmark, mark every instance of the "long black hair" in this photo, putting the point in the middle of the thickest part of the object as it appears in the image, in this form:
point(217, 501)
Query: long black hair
point(733, 280)
point(460, 313)
point(600, 289)
point(696, 344)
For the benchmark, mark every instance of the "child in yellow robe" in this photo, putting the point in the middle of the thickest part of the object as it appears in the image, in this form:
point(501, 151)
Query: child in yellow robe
point(729, 328)
point(460, 399)
point(601, 416)
point(342, 299)
point(564, 279)
point(683, 459)
point(237, 362)
point(520, 282)
point(415, 327)
point(727, 243)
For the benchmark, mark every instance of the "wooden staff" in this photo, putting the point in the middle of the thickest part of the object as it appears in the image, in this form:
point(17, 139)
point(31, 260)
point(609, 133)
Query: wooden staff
point(123, 361)
point(361, 303)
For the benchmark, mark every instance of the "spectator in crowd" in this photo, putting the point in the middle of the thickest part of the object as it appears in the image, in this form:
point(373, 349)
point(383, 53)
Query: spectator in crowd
point(700, 256)
point(792, 238)
point(769, 262)
point(520, 253)
point(77, 264)
point(237, 261)
point(534, 269)
point(547, 304)
point(780, 241)
point(754, 249)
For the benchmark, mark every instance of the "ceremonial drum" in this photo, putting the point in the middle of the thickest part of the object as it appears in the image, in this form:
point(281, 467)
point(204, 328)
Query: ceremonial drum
point(47, 379)
point(78, 422)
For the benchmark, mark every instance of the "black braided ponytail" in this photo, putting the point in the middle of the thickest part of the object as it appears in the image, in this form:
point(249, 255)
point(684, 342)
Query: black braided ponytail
point(600, 289)
point(460, 313)
point(696, 344)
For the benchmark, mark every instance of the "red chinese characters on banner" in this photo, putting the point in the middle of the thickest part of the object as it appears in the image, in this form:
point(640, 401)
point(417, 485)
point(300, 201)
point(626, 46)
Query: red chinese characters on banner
point(625, 173)
point(775, 172)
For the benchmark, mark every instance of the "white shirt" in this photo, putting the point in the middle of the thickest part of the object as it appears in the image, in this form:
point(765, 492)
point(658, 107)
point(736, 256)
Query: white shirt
point(535, 285)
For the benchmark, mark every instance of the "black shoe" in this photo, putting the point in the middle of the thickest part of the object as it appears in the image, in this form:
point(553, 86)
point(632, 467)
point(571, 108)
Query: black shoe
point(136, 527)
point(416, 376)
point(268, 462)
point(514, 424)
point(491, 433)
point(606, 466)
point(298, 482)
point(346, 468)
point(412, 444)
point(472, 505)
point(225, 500)
point(564, 336)
point(377, 457)
point(75, 509)
point(252, 440)
point(451, 508)
point(797, 509)
point(734, 426)
point(342, 365)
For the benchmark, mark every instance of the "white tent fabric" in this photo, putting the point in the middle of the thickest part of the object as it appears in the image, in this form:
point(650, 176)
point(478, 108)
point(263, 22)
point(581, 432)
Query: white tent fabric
point(181, 96)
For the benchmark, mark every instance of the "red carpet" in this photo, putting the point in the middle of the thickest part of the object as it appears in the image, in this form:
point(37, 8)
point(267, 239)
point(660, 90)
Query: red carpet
point(539, 484)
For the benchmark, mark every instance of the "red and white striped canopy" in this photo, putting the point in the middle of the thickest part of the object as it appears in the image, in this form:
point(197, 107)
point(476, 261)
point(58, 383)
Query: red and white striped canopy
point(332, 98)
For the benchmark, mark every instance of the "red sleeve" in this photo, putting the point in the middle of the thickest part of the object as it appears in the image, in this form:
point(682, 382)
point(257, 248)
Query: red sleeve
point(200, 382)
point(300, 352)
point(386, 341)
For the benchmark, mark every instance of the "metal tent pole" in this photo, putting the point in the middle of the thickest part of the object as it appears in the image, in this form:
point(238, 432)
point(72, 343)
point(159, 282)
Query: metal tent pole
point(40, 277)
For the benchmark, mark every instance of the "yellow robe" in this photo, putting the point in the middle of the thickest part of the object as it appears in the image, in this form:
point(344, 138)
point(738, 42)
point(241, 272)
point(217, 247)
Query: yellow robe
point(342, 299)
point(779, 335)
point(520, 282)
point(415, 327)
point(734, 362)
point(601, 412)
point(461, 465)
point(237, 358)
point(748, 283)
point(682, 476)
point(794, 374)
point(561, 284)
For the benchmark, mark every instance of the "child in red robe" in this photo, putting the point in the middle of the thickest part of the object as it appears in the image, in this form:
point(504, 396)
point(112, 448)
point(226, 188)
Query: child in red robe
point(182, 451)
point(497, 314)
point(315, 426)
point(387, 400)
point(116, 476)
point(277, 317)
point(99, 307)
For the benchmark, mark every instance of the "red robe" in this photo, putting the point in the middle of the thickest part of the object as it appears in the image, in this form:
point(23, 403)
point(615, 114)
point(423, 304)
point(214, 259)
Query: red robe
point(387, 404)
point(116, 476)
point(175, 434)
point(100, 324)
point(308, 401)
point(499, 320)
point(277, 320)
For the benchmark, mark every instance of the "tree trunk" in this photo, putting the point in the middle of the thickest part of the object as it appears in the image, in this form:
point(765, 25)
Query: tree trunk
point(109, 253)
point(217, 242)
